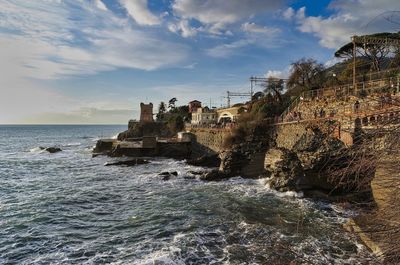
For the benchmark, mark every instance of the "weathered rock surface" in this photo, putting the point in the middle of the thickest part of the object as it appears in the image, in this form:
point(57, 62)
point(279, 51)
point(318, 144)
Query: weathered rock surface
point(315, 150)
point(103, 146)
point(168, 175)
point(51, 150)
point(134, 162)
point(284, 169)
point(232, 162)
point(205, 161)
point(214, 175)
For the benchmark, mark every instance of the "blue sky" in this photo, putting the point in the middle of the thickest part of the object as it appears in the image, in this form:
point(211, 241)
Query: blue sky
point(94, 61)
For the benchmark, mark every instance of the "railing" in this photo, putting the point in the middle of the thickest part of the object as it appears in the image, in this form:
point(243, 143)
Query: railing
point(292, 105)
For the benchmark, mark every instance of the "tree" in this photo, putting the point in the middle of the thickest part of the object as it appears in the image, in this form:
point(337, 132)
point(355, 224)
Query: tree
point(162, 108)
point(376, 53)
point(306, 74)
point(274, 86)
point(171, 103)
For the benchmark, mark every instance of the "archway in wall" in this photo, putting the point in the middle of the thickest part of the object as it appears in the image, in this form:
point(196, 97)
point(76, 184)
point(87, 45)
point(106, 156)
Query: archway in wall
point(225, 117)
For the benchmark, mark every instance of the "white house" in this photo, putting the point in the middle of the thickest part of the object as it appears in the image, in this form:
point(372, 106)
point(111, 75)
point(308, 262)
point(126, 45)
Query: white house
point(204, 116)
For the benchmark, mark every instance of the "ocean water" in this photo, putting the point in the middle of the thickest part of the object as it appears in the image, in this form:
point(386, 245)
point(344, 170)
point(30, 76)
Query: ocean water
point(68, 208)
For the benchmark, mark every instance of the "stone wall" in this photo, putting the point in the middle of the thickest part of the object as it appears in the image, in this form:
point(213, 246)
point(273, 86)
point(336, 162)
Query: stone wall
point(288, 134)
point(210, 140)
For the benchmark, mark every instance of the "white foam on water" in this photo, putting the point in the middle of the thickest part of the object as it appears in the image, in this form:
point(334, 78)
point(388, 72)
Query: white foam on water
point(161, 257)
point(36, 150)
point(72, 144)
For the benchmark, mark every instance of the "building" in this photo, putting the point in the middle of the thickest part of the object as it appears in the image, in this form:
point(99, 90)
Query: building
point(230, 114)
point(204, 116)
point(194, 105)
point(146, 113)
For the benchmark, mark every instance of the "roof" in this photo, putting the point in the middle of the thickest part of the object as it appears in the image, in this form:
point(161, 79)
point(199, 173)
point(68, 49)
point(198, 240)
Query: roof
point(193, 101)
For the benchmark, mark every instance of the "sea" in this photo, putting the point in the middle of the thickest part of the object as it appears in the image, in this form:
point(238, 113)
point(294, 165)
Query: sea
point(68, 208)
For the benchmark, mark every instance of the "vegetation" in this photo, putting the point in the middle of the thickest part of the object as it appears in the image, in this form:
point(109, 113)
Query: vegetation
point(374, 54)
point(175, 116)
point(306, 74)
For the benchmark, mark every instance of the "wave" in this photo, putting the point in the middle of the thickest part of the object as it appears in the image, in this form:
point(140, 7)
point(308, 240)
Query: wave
point(38, 149)
point(72, 144)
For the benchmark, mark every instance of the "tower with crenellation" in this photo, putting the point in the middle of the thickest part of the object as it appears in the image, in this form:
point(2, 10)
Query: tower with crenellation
point(146, 113)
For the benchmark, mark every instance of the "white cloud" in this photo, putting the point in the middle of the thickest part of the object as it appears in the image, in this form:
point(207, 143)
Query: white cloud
point(254, 28)
point(100, 5)
point(279, 73)
point(84, 116)
point(60, 46)
point(139, 11)
point(288, 13)
point(216, 14)
point(53, 39)
point(182, 27)
point(350, 18)
point(226, 50)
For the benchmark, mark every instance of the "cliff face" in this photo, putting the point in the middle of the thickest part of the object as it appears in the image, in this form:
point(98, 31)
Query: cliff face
point(296, 156)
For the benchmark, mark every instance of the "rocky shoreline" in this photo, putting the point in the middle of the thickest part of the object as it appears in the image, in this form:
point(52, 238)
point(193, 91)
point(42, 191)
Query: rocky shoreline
point(309, 167)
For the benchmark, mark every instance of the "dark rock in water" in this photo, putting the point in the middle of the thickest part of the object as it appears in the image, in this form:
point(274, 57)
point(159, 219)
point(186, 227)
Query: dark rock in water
point(196, 173)
point(103, 146)
point(189, 177)
point(214, 175)
point(52, 150)
point(167, 175)
point(285, 170)
point(205, 161)
point(134, 162)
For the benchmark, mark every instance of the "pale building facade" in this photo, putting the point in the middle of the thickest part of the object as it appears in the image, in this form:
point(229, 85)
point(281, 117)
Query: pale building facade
point(204, 116)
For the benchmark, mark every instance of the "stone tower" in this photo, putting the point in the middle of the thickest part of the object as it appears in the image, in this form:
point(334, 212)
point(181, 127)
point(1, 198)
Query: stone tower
point(146, 112)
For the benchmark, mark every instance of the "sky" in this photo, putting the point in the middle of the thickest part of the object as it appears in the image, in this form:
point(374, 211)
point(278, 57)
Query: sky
point(94, 61)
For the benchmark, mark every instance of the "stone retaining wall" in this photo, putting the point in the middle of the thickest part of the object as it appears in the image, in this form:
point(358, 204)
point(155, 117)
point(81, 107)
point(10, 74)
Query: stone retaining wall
point(210, 139)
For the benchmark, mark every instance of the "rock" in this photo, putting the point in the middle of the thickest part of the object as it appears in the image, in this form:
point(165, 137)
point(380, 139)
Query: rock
point(214, 175)
point(167, 175)
point(205, 161)
point(196, 173)
point(103, 146)
point(284, 170)
point(134, 162)
point(52, 150)
point(316, 149)
point(233, 161)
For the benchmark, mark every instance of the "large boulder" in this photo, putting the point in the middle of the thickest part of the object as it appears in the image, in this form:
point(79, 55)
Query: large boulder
point(232, 162)
point(316, 149)
point(284, 170)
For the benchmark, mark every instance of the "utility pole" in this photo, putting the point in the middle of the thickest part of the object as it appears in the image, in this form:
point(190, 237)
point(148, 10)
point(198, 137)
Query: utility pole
point(354, 62)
